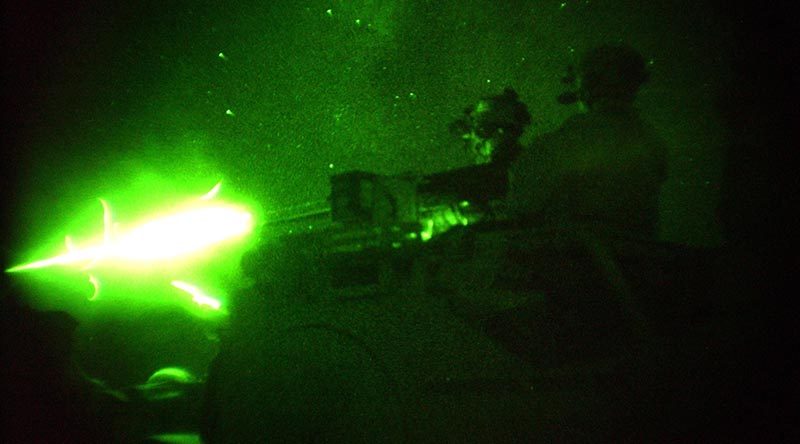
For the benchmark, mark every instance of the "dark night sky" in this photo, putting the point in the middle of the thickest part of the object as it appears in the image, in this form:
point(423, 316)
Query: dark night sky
point(99, 91)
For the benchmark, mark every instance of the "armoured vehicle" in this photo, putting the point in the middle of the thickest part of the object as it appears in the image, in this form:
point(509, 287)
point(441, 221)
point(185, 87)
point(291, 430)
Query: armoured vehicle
point(412, 309)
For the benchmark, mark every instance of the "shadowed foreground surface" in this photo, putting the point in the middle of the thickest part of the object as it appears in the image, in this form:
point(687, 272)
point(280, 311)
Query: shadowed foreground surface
point(460, 360)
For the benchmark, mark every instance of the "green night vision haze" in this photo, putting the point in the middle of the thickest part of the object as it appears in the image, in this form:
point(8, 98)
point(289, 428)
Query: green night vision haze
point(176, 236)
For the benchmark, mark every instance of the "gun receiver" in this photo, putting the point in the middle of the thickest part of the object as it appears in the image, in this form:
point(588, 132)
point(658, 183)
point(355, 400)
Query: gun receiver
point(372, 221)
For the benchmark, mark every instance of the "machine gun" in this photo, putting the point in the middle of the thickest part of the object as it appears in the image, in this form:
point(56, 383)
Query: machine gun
point(364, 202)
point(371, 224)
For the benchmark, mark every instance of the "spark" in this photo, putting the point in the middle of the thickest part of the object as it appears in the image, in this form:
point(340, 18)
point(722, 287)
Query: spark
point(198, 296)
point(166, 383)
point(213, 193)
point(96, 284)
point(176, 374)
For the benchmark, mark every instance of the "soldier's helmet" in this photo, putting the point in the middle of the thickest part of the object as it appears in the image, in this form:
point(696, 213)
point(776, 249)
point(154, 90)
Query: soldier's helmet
point(613, 72)
point(492, 126)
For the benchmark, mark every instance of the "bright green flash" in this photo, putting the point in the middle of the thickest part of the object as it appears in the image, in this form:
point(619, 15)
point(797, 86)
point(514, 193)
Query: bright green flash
point(181, 234)
point(193, 229)
point(187, 235)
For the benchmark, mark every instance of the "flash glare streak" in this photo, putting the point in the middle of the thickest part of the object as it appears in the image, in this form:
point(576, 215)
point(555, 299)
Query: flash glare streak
point(197, 295)
point(106, 221)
